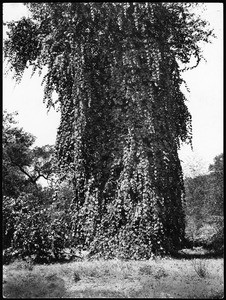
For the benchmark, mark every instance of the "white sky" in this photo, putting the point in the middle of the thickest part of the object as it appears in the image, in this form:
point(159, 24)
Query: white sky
point(205, 101)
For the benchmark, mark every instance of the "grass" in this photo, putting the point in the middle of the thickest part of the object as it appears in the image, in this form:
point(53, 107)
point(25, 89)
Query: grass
point(159, 278)
point(200, 267)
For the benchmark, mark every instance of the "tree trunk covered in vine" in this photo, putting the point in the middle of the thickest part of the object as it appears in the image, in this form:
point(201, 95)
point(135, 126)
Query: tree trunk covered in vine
point(115, 69)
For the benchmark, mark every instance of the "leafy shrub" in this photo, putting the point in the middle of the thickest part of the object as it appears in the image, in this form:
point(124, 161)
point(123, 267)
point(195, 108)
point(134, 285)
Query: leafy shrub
point(8, 220)
point(34, 230)
point(210, 234)
point(190, 230)
point(216, 242)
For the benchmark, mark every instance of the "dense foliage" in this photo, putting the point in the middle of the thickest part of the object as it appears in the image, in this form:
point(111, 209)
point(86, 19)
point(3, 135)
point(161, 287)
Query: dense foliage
point(204, 193)
point(217, 184)
point(115, 68)
point(30, 221)
point(16, 156)
point(23, 165)
point(38, 226)
point(205, 203)
point(33, 228)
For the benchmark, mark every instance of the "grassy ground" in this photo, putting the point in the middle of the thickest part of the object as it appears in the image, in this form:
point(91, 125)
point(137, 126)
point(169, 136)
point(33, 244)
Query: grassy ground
point(159, 278)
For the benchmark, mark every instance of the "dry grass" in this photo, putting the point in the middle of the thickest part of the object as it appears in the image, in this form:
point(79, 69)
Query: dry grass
point(200, 267)
point(160, 278)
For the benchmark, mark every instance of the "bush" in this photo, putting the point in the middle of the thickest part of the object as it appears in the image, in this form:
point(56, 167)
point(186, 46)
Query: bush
point(210, 234)
point(216, 242)
point(33, 230)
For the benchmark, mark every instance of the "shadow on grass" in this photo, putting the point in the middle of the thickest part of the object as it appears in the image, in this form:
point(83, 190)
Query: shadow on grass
point(34, 286)
point(90, 293)
point(217, 296)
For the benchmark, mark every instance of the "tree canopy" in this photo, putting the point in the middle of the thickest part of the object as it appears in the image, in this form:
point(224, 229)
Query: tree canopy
point(22, 164)
point(16, 156)
point(204, 207)
point(116, 70)
point(217, 185)
point(205, 193)
point(26, 211)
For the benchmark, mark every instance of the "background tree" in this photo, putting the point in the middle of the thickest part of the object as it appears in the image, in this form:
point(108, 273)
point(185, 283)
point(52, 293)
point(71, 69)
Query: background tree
point(23, 166)
point(204, 204)
point(115, 69)
point(16, 156)
point(216, 186)
point(193, 166)
point(43, 163)
point(204, 193)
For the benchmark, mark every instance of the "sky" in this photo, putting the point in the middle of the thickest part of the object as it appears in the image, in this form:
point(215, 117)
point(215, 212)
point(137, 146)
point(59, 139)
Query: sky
point(205, 100)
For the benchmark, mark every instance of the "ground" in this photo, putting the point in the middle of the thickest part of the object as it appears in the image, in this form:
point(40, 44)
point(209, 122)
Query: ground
point(158, 278)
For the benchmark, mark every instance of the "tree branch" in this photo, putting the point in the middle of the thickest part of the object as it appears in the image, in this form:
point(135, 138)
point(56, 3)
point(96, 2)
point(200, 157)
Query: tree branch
point(25, 172)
